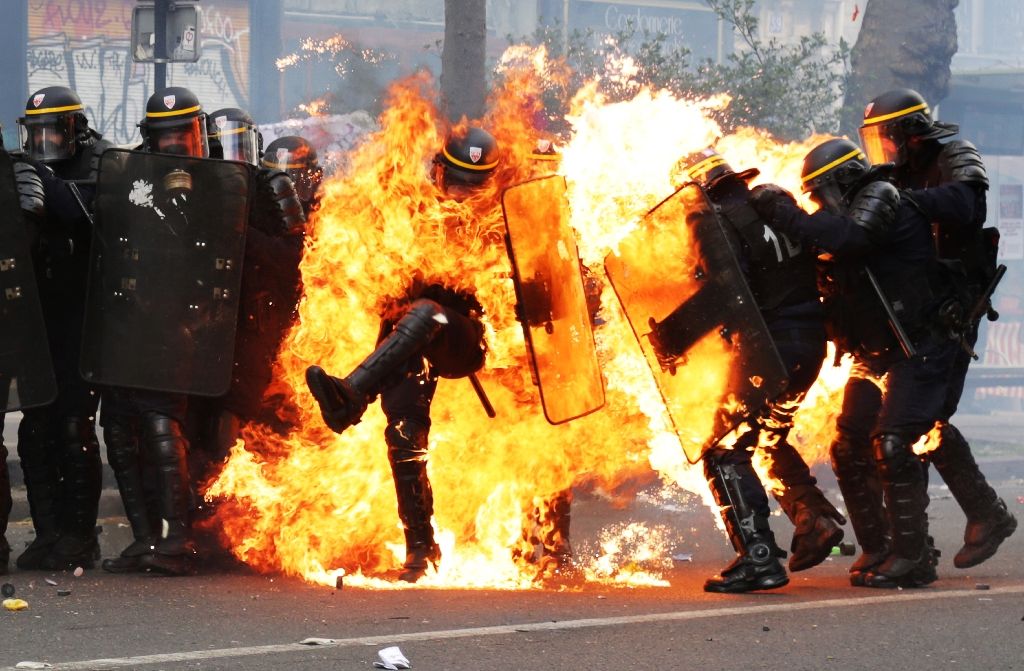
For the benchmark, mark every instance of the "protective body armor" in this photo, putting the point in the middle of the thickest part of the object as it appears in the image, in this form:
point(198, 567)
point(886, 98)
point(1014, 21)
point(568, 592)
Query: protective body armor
point(855, 317)
point(276, 207)
point(780, 272)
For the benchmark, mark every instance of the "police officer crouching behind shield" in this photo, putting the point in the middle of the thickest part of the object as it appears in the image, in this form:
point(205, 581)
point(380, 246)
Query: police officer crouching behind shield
point(57, 443)
point(781, 276)
point(434, 331)
point(947, 181)
point(882, 295)
point(142, 427)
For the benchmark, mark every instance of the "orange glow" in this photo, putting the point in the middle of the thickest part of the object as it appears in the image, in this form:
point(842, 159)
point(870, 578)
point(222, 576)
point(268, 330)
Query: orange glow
point(929, 441)
point(315, 504)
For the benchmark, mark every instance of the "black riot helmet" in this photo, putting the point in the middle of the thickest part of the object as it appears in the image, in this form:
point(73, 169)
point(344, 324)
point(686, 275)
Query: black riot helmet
point(297, 157)
point(466, 161)
point(175, 124)
point(233, 136)
point(897, 120)
point(832, 173)
point(706, 167)
point(53, 125)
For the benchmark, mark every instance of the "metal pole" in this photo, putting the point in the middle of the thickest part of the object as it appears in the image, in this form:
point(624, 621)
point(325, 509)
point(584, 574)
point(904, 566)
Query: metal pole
point(160, 44)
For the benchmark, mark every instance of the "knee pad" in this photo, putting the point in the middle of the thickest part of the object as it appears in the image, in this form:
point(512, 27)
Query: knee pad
point(165, 438)
point(892, 451)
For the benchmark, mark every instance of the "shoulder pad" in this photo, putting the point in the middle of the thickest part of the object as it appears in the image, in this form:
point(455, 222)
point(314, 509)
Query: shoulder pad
point(30, 189)
point(960, 161)
point(284, 206)
point(874, 207)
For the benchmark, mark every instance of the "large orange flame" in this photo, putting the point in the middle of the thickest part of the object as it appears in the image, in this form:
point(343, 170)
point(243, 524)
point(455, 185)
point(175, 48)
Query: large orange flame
point(316, 504)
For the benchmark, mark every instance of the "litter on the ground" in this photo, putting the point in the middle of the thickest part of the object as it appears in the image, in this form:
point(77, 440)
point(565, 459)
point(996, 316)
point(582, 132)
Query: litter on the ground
point(392, 659)
point(15, 604)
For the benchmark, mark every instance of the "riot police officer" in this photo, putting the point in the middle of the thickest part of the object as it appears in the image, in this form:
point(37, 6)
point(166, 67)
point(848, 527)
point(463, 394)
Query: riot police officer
point(433, 331)
point(29, 190)
point(781, 276)
point(269, 295)
point(57, 444)
point(298, 159)
point(882, 298)
point(947, 181)
point(144, 428)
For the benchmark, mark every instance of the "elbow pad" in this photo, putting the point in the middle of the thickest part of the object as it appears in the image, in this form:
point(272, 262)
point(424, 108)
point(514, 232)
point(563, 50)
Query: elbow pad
point(278, 204)
point(874, 208)
point(30, 189)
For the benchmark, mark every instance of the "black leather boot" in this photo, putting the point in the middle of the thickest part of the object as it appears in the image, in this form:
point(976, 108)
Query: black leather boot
point(343, 401)
point(857, 475)
point(37, 452)
point(989, 523)
point(757, 565)
point(407, 452)
point(82, 483)
point(555, 520)
point(175, 552)
point(123, 456)
point(912, 561)
point(817, 525)
point(6, 503)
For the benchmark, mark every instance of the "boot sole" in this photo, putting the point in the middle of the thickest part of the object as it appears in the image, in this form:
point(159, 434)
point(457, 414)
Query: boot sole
point(316, 380)
point(751, 586)
point(989, 549)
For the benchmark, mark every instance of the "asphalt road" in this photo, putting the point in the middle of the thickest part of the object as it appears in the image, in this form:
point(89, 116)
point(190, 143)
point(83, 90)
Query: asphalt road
point(237, 620)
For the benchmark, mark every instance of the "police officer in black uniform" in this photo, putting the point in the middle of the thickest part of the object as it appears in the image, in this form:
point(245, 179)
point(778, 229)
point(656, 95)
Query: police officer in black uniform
point(781, 275)
point(57, 444)
point(433, 331)
point(143, 429)
point(33, 205)
point(269, 294)
point(947, 182)
point(297, 158)
point(882, 298)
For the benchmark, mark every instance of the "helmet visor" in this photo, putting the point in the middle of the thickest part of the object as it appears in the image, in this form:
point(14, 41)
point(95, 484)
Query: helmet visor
point(828, 196)
point(47, 139)
point(238, 140)
point(882, 143)
point(186, 138)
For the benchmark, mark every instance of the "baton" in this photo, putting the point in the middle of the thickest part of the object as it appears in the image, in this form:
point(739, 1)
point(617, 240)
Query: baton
point(77, 195)
point(983, 303)
point(894, 321)
point(482, 395)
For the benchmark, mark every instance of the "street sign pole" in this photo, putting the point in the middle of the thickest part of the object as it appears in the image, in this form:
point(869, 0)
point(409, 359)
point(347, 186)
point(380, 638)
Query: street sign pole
point(160, 45)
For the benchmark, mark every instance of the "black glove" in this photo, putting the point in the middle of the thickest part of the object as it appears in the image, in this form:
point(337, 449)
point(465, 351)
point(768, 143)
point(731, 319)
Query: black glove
point(766, 198)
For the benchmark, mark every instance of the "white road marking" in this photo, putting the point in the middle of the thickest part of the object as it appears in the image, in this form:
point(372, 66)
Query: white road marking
point(510, 629)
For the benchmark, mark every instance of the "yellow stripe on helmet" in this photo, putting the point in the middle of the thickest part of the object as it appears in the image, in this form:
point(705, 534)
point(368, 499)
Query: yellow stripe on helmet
point(839, 161)
point(885, 117)
point(155, 115)
point(468, 166)
point(708, 164)
point(284, 166)
point(233, 131)
point(54, 110)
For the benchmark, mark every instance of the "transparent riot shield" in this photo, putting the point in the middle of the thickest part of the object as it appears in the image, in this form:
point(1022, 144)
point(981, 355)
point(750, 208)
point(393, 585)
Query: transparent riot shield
point(26, 371)
point(552, 303)
point(165, 272)
point(688, 302)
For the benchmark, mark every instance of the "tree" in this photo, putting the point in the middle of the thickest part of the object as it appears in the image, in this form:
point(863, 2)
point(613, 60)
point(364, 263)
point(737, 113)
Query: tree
point(463, 68)
point(902, 44)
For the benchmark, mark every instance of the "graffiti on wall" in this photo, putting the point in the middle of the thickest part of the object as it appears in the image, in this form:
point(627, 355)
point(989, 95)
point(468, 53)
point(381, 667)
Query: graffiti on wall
point(84, 44)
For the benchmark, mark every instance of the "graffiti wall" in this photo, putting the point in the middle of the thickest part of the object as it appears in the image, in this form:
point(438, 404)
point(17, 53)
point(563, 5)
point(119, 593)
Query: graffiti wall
point(84, 44)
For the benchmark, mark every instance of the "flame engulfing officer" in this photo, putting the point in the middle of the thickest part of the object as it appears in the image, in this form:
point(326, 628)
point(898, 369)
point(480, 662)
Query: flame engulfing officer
point(143, 427)
point(947, 182)
point(433, 331)
point(57, 443)
point(882, 296)
point(269, 294)
point(781, 275)
point(27, 188)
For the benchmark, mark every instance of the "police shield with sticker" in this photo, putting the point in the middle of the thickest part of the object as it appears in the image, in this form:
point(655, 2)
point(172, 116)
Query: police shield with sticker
point(551, 297)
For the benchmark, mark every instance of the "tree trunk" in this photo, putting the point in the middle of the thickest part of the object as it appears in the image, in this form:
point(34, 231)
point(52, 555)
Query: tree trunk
point(902, 44)
point(463, 75)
